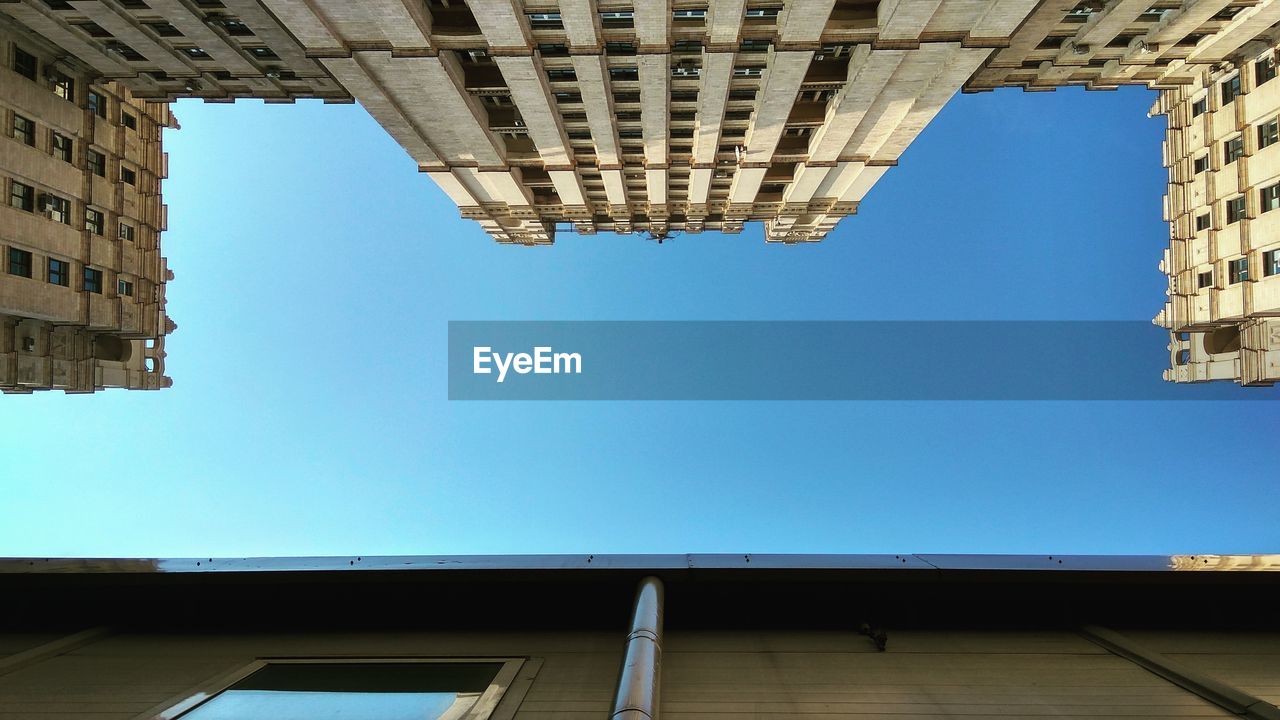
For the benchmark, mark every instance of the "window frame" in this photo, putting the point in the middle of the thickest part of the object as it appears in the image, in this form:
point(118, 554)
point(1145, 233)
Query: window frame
point(27, 136)
point(97, 103)
point(1235, 215)
point(18, 67)
point(1269, 198)
point(1270, 263)
point(498, 702)
point(1238, 270)
point(28, 263)
point(96, 275)
point(94, 164)
point(95, 221)
point(64, 151)
point(62, 272)
point(1230, 89)
point(1232, 150)
point(1264, 70)
point(28, 198)
point(1268, 133)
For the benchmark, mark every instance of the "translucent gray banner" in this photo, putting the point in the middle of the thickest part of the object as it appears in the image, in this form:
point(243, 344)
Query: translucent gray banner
point(855, 360)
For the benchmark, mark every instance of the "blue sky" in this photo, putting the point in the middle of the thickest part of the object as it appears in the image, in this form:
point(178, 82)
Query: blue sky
point(316, 272)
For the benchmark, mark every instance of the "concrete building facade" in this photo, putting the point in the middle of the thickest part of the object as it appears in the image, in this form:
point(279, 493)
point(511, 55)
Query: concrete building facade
point(641, 637)
point(82, 287)
point(677, 116)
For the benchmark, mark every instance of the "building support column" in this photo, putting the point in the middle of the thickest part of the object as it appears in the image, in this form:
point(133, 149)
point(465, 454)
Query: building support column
point(1225, 696)
point(638, 686)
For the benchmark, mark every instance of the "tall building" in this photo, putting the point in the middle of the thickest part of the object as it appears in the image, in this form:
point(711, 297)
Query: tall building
point(641, 637)
point(663, 117)
point(82, 292)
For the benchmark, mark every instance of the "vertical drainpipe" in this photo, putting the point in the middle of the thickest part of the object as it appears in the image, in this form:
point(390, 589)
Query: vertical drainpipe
point(638, 686)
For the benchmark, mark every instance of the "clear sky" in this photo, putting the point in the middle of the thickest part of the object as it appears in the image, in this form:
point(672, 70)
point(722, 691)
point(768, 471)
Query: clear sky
point(316, 272)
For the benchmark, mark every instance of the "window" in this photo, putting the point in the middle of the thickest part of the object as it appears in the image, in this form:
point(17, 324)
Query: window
point(561, 74)
point(545, 21)
point(195, 53)
point(1204, 279)
point(688, 14)
point(754, 45)
point(744, 94)
point(128, 175)
point(19, 263)
point(164, 29)
point(1238, 270)
point(762, 12)
point(92, 280)
point(98, 104)
point(128, 120)
point(264, 53)
point(748, 71)
point(22, 197)
point(126, 232)
point(1232, 150)
point(1200, 164)
point(62, 148)
point(1235, 210)
point(124, 287)
point(59, 208)
point(59, 272)
point(64, 87)
point(24, 130)
point(1271, 263)
point(93, 29)
point(620, 48)
point(1203, 222)
point(624, 73)
point(24, 63)
point(94, 221)
point(125, 51)
point(1269, 197)
point(1231, 89)
point(134, 4)
point(1200, 107)
point(1268, 133)
point(394, 689)
point(234, 27)
point(1264, 70)
point(617, 19)
point(97, 163)
point(553, 49)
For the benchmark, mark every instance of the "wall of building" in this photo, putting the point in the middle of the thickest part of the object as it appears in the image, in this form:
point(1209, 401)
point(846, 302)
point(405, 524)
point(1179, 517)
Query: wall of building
point(787, 675)
point(81, 197)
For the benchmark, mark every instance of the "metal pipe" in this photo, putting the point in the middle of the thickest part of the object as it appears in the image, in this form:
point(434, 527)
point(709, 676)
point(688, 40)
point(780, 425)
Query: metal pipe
point(641, 677)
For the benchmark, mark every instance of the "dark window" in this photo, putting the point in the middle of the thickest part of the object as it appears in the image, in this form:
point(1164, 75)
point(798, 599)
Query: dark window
point(579, 134)
point(195, 53)
point(1268, 133)
point(264, 53)
point(124, 287)
point(684, 96)
point(743, 94)
point(624, 73)
point(1203, 222)
point(569, 97)
point(1200, 164)
point(762, 12)
point(58, 5)
point(1271, 263)
point(134, 4)
point(64, 87)
point(59, 272)
point(234, 27)
point(24, 63)
point(128, 175)
point(98, 104)
point(97, 163)
point(164, 29)
point(22, 196)
point(754, 45)
point(687, 46)
point(209, 4)
point(627, 97)
point(125, 51)
point(92, 280)
point(1231, 89)
point(748, 71)
point(62, 148)
point(94, 221)
point(617, 19)
point(24, 130)
point(553, 49)
point(545, 21)
point(19, 262)
point(1232, 150)
point(59, 208)
point(737, 115)
point(1235, 210)
point(126, 232)
point(93, 29)
point(128, 120)
point(620, 48)
point(560, 74)
point(1270, 198)
point(1204, 279)
point(1199, 107)
point(1238, 270)
point(1264, 70)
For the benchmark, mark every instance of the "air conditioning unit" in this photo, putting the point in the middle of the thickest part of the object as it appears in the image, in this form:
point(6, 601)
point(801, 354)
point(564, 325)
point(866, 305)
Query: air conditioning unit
point(819, 57)
point(44, 201)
